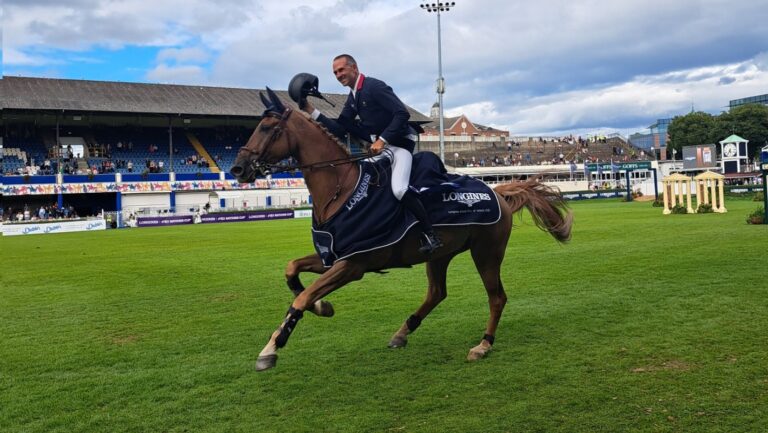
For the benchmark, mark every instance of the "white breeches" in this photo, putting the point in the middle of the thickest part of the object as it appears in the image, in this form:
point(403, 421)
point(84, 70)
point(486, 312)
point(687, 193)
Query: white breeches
point(401, 168)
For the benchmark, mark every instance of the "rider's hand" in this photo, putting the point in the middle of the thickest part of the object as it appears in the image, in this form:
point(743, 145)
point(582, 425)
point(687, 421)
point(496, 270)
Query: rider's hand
point(377, 146)
point(306, 106)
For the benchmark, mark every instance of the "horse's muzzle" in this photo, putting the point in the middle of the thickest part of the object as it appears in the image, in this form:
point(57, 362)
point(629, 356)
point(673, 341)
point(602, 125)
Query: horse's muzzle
point(238, 171)
point(245, 173)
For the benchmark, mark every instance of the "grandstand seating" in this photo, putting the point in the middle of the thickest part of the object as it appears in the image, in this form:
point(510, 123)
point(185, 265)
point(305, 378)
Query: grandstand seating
point(138, 147)
point(18, 152)
point(13, 160)
point(221, 145)
point(544, 152)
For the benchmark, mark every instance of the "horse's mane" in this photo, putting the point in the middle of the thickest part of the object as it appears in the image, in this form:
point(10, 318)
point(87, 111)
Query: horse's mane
point(330, 135)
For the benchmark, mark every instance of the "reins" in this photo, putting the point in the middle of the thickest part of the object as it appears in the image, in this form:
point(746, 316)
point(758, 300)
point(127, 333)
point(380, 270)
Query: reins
point(258, 165)
point(280, 168)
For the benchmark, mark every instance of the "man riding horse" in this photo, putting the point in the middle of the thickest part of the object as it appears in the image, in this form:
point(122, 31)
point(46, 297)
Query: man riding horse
point(384, 122)
point(337, 181)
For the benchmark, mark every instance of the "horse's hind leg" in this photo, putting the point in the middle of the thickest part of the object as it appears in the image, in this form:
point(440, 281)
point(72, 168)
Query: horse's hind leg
point(436, 292)
point(310, 263)
point(488, 263)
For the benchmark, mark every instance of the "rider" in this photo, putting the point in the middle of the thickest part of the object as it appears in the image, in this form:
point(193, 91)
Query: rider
point(384, 121)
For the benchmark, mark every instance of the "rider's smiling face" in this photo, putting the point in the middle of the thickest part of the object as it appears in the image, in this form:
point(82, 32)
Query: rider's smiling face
point(345, 72)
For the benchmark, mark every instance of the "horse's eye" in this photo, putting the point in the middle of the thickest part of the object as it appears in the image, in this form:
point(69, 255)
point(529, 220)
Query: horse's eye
point(265, 128)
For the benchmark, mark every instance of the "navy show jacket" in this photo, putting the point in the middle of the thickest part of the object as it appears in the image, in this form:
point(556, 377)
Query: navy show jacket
point(380, 112)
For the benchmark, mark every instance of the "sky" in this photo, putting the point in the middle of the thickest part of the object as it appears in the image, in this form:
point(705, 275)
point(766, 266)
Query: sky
point(546, 67)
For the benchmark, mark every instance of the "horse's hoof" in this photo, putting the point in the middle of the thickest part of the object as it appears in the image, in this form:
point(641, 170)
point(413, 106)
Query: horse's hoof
point(323, 309)
point(477, 352)
point(397, 342)
point(266, 362)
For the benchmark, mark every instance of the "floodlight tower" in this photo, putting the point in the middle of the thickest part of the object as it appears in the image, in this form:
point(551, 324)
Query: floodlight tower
point(437, 8)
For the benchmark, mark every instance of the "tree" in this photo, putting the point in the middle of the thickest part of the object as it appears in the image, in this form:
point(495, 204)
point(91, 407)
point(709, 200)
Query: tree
point(691, 129)
point(748, 121)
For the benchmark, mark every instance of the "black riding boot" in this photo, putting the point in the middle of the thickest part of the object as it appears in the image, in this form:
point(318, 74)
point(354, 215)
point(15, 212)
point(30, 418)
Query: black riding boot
point(412, 202)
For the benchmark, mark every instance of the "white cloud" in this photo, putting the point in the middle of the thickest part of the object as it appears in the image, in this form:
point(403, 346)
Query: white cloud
point(185, 74)
point(532, 66)
point(16, 57)
point(183, 55)
point(644, 97)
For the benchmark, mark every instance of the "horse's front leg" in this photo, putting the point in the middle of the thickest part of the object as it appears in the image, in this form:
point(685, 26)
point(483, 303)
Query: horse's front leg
point(338, 275)
point(310, 263)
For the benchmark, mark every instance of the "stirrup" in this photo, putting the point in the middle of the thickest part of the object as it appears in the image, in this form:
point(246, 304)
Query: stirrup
point(430, 243)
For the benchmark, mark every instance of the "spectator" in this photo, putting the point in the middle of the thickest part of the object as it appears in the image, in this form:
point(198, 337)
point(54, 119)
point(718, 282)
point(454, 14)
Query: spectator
point(573, 170)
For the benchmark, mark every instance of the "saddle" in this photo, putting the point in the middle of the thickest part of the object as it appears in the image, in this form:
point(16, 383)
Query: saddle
point(373, 218)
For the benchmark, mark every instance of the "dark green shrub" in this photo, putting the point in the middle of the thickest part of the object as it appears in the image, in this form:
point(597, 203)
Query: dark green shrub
point(757, 216)
point(679, 209)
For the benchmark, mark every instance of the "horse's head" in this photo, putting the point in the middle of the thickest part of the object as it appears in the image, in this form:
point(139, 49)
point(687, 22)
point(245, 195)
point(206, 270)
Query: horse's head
point(268, 144)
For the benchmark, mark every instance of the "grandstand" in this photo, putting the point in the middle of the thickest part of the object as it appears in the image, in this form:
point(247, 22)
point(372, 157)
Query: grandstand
point(530, 151)
point(184, 129)
point(130, 147)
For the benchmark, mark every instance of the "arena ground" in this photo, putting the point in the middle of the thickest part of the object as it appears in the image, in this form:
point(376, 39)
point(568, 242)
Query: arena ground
point(643, 323)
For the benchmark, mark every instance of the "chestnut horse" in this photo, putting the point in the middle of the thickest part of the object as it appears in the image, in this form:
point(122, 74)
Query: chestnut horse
point(331, 175)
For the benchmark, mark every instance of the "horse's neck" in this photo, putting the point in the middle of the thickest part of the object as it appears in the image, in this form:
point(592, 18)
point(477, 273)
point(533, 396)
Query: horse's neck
point(329, 186)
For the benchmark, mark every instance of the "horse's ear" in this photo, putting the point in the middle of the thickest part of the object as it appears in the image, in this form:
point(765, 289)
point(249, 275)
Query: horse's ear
point(264, 101)
point(275, 100)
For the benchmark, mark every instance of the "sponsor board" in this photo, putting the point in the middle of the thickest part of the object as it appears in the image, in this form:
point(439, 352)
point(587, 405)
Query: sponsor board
point(595, 194)
point(302, 213)
point(215, 218)
point(640, 165)
point(53, 227)
point(163, 221)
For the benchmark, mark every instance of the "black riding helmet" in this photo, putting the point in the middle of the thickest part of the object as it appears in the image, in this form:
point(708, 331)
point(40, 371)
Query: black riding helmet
point(302, 85)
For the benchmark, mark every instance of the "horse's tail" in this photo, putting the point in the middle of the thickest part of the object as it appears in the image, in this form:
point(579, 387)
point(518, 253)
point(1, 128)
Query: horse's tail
point(546, 205)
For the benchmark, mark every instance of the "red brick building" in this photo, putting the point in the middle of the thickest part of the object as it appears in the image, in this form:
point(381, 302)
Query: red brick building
point(461, 134)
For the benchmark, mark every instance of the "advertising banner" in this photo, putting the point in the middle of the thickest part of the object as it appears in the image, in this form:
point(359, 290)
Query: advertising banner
point(302, 213)
point(607, 166)
point(584, 195)
point(159, 221)
point(53, 227)
point(247, 216)
point(699, 157)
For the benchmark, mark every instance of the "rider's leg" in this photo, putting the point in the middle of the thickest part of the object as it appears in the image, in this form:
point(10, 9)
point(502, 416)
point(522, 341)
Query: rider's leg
point(401, 172)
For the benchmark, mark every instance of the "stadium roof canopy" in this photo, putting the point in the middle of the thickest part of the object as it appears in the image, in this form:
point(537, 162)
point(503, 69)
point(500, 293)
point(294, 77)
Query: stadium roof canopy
point(26, 93)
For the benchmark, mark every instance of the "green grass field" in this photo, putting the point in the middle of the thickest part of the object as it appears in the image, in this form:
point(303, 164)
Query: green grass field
point(643, 323)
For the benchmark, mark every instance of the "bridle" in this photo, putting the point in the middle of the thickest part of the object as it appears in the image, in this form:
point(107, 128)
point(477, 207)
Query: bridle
point(258, 165)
